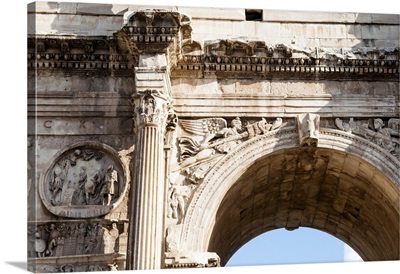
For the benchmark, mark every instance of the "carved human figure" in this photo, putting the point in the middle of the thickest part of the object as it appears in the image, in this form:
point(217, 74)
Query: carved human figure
point(56, 186)
point(110, 185)
point(110, 239)
point(40, 245)
point(148, 109)
point(53, 239)
point(178, 197)
point(90, 245)
point(57, 182)
point(90, 186)
point(218, 137)
point(381, 136)
point(235, 130)
point(79, 193)
point(375, 131)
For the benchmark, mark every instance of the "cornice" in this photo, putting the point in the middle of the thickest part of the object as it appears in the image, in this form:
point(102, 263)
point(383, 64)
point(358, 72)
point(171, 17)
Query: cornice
point(256, 59)
point(167, 32)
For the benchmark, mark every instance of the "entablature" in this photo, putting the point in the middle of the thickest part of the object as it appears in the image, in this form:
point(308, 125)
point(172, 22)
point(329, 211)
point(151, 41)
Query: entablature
point(215, 59)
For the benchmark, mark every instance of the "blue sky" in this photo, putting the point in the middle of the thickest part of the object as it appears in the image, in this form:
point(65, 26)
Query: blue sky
point(304, 245)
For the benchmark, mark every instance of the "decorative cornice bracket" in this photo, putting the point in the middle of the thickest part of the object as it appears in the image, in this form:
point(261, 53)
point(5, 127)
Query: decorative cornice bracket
point(155, 31)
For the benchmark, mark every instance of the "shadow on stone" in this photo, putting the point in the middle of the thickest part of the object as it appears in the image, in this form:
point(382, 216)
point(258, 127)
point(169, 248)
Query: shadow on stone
point(21, 265)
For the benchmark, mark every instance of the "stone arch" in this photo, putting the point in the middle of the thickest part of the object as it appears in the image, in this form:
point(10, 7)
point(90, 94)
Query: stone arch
point(363, 175)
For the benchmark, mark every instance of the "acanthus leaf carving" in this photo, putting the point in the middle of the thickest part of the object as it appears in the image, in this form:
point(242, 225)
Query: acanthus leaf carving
point(151, 107)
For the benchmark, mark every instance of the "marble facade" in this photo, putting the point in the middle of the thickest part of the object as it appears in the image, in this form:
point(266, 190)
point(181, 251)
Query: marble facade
point(168, 137)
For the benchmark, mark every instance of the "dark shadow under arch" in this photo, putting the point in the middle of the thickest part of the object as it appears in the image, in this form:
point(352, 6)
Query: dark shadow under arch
point(320, 188)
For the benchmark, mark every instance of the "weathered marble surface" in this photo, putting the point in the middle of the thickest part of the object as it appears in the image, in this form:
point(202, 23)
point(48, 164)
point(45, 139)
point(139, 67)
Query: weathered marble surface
point(160, 139)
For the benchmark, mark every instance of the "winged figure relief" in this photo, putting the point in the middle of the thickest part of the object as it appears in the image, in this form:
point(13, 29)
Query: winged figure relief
point(204, 126)
point(212, 135)
point(193, 148)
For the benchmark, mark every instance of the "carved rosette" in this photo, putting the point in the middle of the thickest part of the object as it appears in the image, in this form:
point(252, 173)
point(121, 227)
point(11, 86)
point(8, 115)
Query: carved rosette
point(83, 182)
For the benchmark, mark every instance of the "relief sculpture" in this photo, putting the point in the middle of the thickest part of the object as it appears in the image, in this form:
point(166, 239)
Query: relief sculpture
point(84, 182)
point(218, 138)
point(76, 238)
point(202, 143)
point(383, 133)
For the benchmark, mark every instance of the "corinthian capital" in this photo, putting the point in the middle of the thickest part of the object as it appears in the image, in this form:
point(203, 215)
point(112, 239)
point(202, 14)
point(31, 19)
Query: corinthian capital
point(150, 108)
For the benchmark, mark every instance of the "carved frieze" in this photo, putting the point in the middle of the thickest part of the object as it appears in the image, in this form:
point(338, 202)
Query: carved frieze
point(57, 239)
point(83, 182)
point(101, 266)
point(383, 132)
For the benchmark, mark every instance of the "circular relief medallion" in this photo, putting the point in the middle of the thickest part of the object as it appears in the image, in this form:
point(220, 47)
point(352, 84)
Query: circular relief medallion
point(83, 182)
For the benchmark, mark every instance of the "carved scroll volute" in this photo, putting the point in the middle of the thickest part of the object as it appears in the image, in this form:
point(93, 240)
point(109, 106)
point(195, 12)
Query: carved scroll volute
point(150, 109)
point(308, 127)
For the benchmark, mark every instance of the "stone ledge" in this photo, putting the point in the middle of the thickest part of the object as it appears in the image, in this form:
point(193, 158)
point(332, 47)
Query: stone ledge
point(87, 8)
point(329, 17)
point(214, 13)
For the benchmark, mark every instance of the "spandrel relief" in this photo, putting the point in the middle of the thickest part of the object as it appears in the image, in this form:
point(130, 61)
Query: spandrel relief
point(383, 133)
point(84, 182)
point(201, 144)
point(212, 136)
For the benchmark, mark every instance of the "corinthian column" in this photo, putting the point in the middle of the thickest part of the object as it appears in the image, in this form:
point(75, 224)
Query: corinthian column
point(153, 39)
point(151, 110)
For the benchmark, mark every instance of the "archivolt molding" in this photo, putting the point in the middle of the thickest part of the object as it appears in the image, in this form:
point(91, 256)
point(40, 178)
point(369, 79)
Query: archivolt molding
point(228, 169)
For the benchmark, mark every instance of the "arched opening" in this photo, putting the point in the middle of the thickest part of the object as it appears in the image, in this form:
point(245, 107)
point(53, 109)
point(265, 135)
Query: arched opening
point(303, 245)
point(321, 188)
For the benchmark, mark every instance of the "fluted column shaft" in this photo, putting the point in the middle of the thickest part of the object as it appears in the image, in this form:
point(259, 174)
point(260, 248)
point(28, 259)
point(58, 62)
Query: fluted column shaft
point(149, 190)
